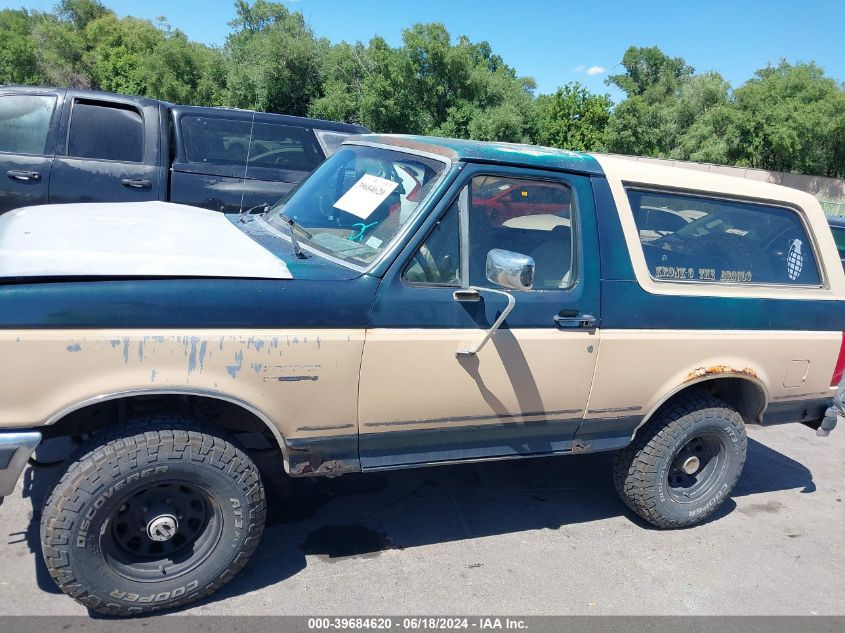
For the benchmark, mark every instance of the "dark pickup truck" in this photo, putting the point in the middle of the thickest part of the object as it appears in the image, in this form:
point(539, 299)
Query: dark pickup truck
point(60, 146)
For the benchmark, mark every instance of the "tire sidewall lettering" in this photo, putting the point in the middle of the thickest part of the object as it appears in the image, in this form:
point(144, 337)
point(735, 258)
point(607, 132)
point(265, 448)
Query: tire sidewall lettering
point(84, 532)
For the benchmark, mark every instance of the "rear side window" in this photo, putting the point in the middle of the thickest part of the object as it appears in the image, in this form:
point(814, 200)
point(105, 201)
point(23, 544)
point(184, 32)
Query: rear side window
point(25, 123)
point(702, 239)
point(283, 147)
point(215, 141)
point(228, 142)
point(106, 132)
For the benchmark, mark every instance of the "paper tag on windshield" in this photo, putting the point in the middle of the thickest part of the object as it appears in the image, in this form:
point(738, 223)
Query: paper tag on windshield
point(366, 195)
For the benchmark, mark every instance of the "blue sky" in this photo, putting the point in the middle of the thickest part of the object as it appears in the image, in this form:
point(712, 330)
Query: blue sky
point(560, 41)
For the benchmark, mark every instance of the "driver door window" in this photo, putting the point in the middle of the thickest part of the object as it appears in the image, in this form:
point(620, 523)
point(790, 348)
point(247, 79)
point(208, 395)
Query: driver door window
point(529, 217)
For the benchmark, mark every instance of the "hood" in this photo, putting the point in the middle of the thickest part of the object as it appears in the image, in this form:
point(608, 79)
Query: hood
point(137, 239)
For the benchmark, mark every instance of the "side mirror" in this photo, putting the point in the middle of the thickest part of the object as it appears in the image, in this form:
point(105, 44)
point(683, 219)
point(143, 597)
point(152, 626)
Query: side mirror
point(510, 270)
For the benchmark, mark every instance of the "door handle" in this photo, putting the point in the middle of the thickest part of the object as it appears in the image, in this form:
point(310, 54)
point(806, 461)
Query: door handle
point(465, 295)
point(136, 184)
point(24, 176)
point(583, 321)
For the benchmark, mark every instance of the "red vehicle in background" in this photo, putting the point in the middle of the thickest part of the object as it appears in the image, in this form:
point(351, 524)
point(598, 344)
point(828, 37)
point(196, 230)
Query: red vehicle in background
point(503, 200)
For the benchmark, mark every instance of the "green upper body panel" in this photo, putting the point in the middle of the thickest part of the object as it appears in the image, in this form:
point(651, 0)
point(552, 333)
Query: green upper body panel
point(532, 156)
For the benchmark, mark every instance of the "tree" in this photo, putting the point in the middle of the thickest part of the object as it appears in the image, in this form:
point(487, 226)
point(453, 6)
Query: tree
point(573, 118)
point(651, 74)
point(273, 59)
point(18, 55)
point(791, 118)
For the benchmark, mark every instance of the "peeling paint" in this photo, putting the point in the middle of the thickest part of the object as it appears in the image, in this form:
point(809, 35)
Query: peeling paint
point(192, 357)
point(257, 367)
point(203, 351)
point(126, 350)
point(153, 375)
point(717, 370)
point(74, 347)
point(239, 361)
point(114, 342)
point(141, 344)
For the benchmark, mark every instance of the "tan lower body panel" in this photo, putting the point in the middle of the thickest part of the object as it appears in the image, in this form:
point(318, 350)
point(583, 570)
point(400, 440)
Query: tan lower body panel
point(527, 391)
point(304, 381)
point(640, 369)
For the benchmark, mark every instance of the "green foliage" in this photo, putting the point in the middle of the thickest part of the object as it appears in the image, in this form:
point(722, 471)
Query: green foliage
point(273, 59)
point(429, 85)
point(18, 60)
point(650, 74)
point(787, 117)
point(791, 118)
point(573, 118)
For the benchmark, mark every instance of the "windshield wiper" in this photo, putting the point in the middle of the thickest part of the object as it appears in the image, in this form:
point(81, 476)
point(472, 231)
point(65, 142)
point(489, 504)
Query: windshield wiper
point(293, 227)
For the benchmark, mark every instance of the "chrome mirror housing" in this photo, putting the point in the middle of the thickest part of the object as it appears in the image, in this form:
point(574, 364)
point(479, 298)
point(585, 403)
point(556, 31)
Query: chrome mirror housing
point(510, 270)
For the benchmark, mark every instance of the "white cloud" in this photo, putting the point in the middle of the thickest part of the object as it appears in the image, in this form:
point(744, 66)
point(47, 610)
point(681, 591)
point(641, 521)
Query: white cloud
point(596, 70)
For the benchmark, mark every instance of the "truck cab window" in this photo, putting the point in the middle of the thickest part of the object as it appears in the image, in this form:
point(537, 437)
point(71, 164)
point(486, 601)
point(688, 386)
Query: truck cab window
point(530, 217)
point(105, 132)
point(25, 123)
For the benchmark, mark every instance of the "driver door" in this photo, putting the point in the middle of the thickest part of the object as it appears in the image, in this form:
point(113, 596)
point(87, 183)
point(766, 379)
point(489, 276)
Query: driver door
point(525, 391)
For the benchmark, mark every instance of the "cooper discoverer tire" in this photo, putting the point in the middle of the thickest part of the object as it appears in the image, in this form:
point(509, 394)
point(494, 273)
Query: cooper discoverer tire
point(683, 464)
point(152, 518)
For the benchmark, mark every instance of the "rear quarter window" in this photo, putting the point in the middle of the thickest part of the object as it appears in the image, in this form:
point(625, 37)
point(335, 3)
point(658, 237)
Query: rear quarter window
point(219, 141)
point(703, 239)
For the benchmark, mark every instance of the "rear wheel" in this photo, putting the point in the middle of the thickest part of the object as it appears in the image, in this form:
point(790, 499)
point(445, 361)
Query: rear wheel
point(684, 463)
point(152, 520)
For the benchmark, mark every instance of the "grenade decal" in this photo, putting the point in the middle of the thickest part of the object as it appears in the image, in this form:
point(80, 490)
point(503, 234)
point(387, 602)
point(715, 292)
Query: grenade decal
point(794, 260)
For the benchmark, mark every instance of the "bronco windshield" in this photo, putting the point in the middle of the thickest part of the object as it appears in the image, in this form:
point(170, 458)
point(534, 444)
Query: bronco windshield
point(356, 202)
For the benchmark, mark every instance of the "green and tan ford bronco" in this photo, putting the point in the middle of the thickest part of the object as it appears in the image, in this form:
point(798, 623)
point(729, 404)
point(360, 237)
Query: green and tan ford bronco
point(415, 301)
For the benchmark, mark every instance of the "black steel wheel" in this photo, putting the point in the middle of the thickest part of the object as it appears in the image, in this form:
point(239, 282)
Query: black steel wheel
point(697, 467)
point(159, 516)
point(165, 529)
point(683, 464)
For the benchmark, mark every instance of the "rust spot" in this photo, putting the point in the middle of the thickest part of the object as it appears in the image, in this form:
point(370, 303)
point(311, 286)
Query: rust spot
point(579, 446)
point(717, 370)
point(317, 464)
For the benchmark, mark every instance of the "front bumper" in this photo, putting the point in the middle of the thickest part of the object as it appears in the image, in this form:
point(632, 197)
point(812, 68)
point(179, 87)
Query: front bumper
point(16, 448)
point(835, 413)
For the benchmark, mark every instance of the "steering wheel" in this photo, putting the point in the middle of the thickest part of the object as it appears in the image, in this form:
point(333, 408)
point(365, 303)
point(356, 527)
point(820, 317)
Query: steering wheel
point(425, 260)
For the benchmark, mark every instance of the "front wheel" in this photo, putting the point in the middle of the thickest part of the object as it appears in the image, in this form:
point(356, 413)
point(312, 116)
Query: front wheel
point(152, 520)
point(683, 464)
